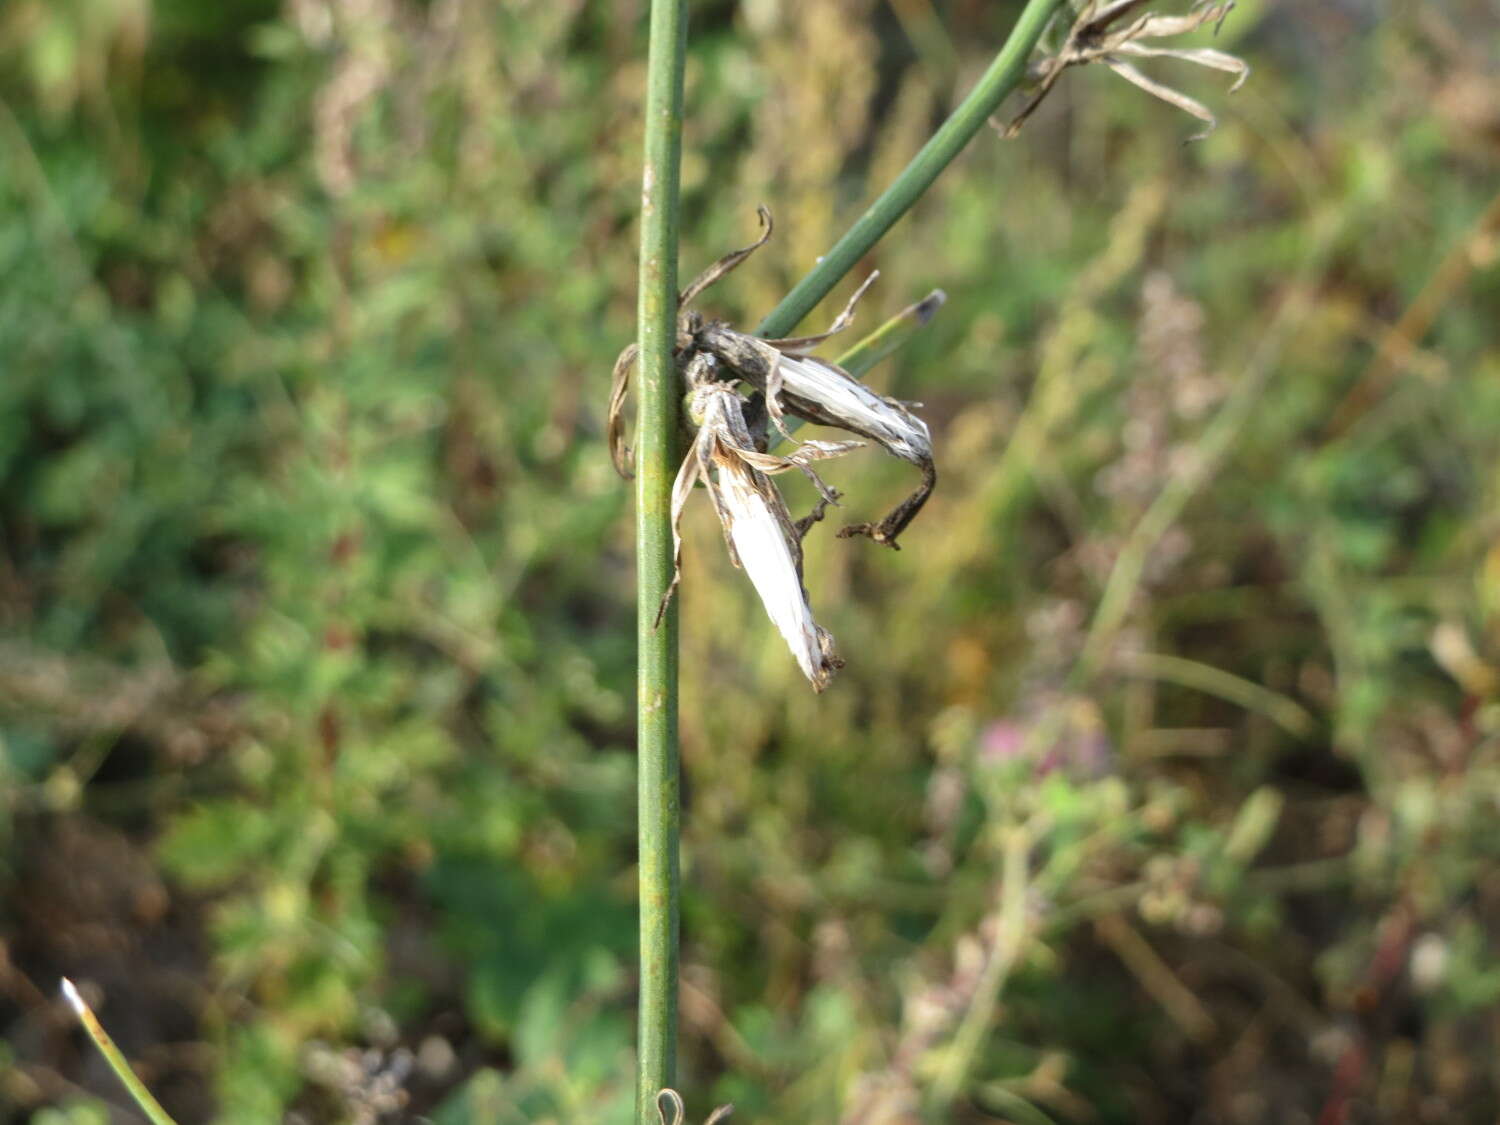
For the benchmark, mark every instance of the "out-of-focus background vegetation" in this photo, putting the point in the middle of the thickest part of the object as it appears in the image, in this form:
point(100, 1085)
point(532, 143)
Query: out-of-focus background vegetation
point(1162, 782)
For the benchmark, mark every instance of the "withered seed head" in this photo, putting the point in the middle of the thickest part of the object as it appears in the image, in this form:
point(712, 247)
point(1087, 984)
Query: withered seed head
point(821, 392)
point(1094, 37)
point(729, 453)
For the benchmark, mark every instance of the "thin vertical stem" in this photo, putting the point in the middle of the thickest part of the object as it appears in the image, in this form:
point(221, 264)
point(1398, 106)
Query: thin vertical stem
point(656, 698)
point(950, 139)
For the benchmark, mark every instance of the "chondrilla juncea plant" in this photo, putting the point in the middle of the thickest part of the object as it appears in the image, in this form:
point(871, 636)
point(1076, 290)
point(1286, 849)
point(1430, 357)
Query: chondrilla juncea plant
point(677, 351)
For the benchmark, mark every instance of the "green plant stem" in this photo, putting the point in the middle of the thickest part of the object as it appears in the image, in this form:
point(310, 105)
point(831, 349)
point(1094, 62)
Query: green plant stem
point(1286, 713)
point(950, 139)
point(113, 1056)
point(657, 768)
point(891, 336)
point(656, 456)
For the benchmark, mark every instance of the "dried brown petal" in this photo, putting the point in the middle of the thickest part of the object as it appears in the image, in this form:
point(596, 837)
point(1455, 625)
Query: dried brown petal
point(1188, 105)
point(840, 322)
point(728, 262)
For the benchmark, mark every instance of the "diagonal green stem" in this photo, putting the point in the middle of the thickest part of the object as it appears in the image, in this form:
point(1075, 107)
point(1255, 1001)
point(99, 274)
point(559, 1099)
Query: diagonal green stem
point(113, 1056)
point(950, 139)
point(891, 336)
point(656, 455)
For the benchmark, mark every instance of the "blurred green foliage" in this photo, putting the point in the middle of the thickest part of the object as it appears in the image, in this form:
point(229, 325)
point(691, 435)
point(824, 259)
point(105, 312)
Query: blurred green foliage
point(315, 579)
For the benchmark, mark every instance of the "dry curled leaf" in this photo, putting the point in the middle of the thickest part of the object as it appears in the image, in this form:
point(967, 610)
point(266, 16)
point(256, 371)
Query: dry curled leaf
point(673, 1112)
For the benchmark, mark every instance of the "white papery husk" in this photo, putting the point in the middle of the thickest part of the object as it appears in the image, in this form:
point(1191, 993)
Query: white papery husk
point(772, 560)
point(761, 535)
point(838, 395)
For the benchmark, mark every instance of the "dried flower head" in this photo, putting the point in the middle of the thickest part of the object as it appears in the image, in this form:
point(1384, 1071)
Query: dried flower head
point(729, 452)
point(793, 382)
point(1095, 38)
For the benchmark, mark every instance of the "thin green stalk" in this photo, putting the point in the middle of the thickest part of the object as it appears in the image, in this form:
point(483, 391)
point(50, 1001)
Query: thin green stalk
point(113, 1056)
point(892, 335)
point(1286, 713)
point(950, 139)
point(656, 456)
